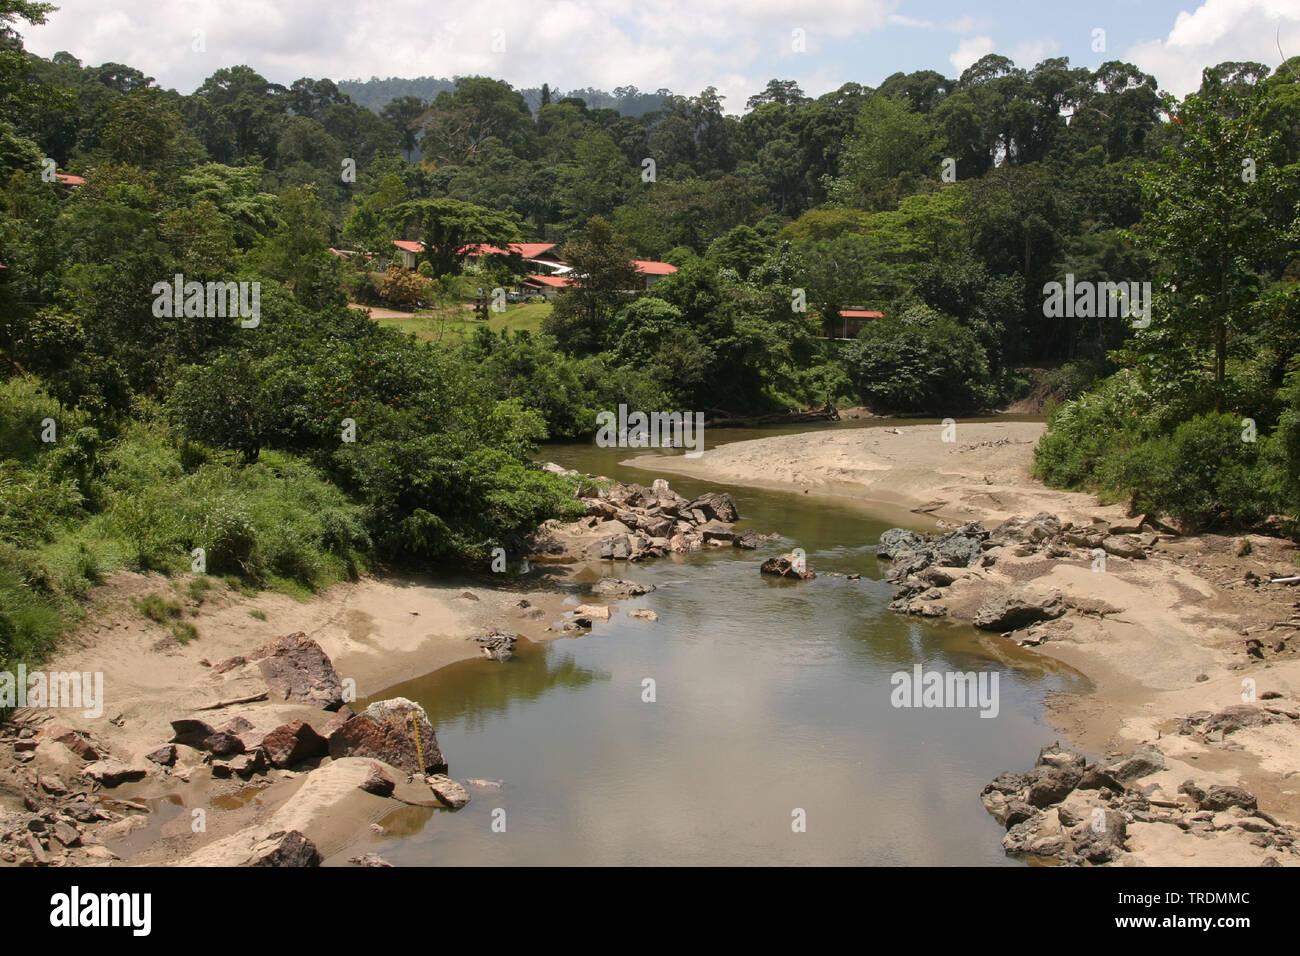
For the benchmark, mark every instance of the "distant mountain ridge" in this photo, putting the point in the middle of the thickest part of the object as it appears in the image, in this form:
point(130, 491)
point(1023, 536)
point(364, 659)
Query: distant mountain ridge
point(375, 93)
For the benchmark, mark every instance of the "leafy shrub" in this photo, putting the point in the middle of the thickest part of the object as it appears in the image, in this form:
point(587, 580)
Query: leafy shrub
point(1081, 433)
point(919, 362)
point(402, 288)
point(1203, 474)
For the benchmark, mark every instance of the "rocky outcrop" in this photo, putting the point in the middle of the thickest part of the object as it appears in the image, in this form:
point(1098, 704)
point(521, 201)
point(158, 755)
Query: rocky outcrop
point(617, 587)
point(918, 563)
point(387, 730)
point(910, 553)
point(78, 741)
point(1141, 762)
point(643, 523)
point(1078, 813)
point(714, 506)
point(295, 668)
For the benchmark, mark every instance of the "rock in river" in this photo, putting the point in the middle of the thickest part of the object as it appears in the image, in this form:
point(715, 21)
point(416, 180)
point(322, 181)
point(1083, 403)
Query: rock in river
point(385, 731)
point(788, 566)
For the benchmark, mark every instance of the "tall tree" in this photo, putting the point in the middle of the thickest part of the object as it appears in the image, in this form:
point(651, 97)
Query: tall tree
point(450, 228)
point(1212, 223)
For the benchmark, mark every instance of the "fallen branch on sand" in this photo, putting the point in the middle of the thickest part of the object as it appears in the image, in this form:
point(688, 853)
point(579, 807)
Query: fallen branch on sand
point(230, 703)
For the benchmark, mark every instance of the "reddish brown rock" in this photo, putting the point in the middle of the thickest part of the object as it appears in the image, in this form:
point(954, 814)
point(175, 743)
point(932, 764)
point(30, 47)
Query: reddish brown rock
point(164, 755)
point(448, 791)
point(386, 731)
point(336, 720)
point(296, 668)
point(293, 743)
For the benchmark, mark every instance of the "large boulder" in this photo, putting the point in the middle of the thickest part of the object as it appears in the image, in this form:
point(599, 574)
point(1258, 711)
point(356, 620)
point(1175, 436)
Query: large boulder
point(386, 731)
point(1018, 609)
point(1101, 838)
point(960, 548)
point(296, 668)
point(1124, 546)
point(1040, 527)
point(615, 547)
point(1052, 784)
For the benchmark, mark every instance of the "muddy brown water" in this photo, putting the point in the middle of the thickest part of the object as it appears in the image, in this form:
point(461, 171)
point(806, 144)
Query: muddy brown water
point(772, 702)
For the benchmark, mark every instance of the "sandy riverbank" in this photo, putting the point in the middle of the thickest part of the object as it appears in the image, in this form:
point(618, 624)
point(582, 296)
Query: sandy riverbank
point(1161, 638)
point(376, 631)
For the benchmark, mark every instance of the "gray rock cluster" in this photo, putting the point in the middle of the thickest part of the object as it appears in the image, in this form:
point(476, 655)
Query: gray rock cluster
point(922, 565)
point(652, 522)
point(1078, 813)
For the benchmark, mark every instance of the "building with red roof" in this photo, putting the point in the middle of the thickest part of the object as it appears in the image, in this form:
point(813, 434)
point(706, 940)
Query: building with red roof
point(851, 322)
point(653, 271)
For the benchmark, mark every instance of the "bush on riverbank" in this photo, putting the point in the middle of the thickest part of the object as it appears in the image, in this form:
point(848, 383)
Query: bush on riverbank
point(920, 362)
point(1115, 441)
point(77, 508)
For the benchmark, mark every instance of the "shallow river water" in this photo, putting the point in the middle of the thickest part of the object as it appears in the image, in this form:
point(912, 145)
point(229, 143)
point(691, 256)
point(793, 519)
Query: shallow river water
point(771, 698)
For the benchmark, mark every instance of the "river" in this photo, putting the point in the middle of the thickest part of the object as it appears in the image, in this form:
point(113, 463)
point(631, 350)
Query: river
point(771, 698)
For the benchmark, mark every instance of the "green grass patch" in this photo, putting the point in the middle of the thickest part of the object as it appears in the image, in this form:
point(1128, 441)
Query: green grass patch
point(453, 325)
point(158, 609)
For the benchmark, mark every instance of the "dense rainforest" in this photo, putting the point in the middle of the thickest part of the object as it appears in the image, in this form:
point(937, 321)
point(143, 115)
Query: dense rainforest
point(316, 442)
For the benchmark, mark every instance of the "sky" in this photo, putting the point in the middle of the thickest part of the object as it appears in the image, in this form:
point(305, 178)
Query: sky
point(683, 45)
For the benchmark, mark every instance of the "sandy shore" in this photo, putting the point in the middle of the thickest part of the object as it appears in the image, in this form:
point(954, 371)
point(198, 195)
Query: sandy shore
point(377, 632)
point(983, 475)
point(1160, 638)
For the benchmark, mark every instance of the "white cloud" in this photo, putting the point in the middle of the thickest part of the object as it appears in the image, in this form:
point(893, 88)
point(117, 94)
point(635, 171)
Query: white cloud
point(736, 45)
point(1219, 30)
point(970, 49)
point(1029, 53)
point(968, 24)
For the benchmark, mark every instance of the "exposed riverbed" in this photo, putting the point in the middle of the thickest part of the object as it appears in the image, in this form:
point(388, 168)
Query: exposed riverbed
point(770, 697)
